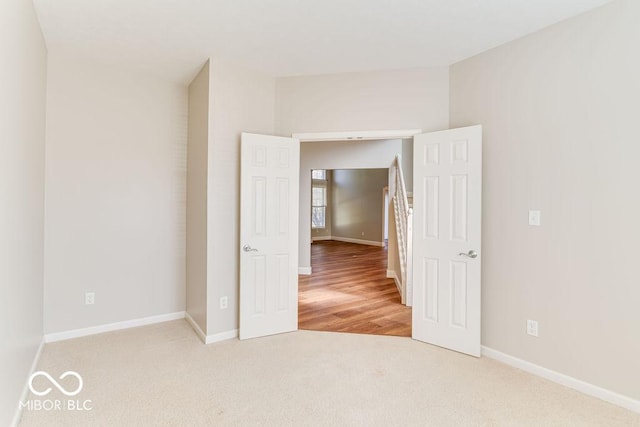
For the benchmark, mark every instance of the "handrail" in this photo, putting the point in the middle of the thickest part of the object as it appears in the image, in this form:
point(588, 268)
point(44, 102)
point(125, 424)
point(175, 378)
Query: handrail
point(404, 226)
point(403, 186)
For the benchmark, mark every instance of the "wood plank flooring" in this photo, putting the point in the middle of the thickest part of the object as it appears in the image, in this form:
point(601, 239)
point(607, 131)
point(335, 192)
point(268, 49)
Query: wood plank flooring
point(349, 292)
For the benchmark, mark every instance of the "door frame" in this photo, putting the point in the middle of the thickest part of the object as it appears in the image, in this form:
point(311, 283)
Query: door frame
point(367, 135)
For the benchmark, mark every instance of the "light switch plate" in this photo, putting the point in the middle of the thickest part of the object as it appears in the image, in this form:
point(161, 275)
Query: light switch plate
point(534, 218)
point(532, 328)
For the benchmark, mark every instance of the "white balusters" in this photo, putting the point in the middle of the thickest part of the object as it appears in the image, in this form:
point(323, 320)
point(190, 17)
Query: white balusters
point(403, 217)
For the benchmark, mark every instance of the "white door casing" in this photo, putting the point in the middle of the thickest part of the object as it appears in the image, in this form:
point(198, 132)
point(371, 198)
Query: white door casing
point(447, 197)
point(269, 191)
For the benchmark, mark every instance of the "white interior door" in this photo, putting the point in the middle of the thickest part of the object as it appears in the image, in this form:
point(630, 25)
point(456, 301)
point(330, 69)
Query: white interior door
point(447, 187)
point(268, 235)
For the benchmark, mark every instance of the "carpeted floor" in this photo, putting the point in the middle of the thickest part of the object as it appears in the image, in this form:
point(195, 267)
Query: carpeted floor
point(163, 375)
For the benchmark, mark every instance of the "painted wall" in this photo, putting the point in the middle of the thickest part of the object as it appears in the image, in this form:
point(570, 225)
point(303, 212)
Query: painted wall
point(357, 203)
point(23, 56)
point(115, 194)
point(560, 113)
point(336, 155)
point(197, 163)
point(379, 100)
point(241, 100)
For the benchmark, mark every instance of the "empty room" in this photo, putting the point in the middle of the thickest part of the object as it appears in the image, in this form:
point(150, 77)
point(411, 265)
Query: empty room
point(158, 214)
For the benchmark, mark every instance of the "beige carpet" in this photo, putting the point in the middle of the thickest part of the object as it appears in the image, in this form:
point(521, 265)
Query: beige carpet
point(163, 375)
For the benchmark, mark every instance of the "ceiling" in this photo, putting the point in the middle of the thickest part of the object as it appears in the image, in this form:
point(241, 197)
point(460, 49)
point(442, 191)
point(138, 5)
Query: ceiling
point(173, 38)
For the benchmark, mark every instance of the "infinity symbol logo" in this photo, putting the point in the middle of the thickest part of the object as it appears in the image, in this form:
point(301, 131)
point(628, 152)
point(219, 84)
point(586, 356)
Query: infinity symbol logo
point(55, 383)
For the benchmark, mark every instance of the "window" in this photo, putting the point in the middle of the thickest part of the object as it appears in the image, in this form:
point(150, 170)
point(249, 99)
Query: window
point(319, 207)
point(319, 174)
point(319, 198)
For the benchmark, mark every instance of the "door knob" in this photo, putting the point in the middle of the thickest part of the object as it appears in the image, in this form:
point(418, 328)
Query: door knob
point(470, 254)
point(248, 248)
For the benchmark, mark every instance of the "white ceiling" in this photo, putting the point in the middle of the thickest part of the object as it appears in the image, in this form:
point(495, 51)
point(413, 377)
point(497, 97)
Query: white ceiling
point(294, 37)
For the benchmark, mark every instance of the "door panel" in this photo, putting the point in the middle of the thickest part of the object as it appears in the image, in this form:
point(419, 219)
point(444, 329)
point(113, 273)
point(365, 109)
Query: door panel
point(447, 225)
point(268, 235)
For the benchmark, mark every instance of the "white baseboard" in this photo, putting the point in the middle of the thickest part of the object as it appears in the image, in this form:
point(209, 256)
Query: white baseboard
point(318, 238)
point(76, 333)
point(565, 380)
point(305, 271)
point(196, 327)
point(358, 241)
point(210, 339)
point(392, 275)
point(222, 336)
point(25, 390)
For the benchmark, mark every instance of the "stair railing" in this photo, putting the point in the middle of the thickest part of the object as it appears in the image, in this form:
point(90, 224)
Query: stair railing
point(404, 228)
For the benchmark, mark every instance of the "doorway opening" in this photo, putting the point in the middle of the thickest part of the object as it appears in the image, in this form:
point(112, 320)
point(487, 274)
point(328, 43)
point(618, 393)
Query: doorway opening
point(440, 237)
point(349, 289)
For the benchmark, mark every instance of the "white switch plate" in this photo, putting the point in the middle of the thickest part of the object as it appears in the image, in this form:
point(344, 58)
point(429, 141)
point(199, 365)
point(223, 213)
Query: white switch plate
point(532, 327)
point(89, 298)
point(534, 218)
point(224, 303)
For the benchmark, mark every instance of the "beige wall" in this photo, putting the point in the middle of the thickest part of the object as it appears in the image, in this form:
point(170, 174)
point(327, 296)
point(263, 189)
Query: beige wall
point(115, 194)
point(23, 56)
point(560, 113)
point(241, 100)
point(379, 100)
point(356, 203)
point(197, 165)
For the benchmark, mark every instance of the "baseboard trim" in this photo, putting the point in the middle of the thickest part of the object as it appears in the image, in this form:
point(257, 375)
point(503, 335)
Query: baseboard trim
point(25, 390)
point(565, 380)
point(317, 239)
point(196, 328)
point(392, 275)
point(93, 330)
point(210, 339)
point(358, 241)
point(305, 271)
point(222, 336)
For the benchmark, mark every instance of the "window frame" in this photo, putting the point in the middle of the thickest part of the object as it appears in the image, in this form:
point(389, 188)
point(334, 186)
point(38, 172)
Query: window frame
point(323, 184)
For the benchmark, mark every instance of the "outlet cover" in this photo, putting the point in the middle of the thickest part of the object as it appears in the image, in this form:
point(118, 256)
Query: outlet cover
point(532, 328)
point(224, 303)
point(534, 218)
point(89, 298)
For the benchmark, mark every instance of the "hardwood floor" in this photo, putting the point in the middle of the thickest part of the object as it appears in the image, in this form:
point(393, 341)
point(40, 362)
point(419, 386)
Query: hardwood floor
point(349, 292)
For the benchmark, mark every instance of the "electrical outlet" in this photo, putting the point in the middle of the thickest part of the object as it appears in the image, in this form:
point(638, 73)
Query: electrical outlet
point(534, 218)
point(532, 328)
point(224, 303)
point(89, 298)
point(362, 233)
